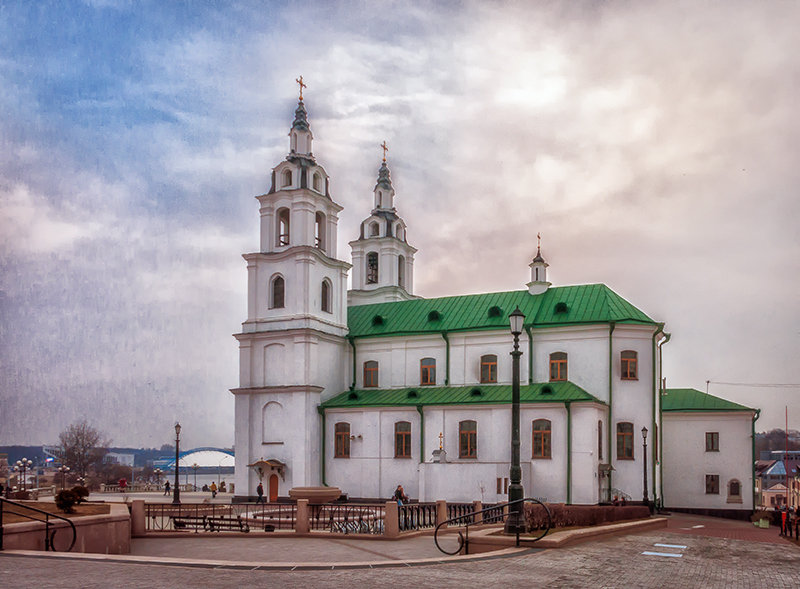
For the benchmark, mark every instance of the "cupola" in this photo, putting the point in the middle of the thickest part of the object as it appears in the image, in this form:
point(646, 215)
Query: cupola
point(538, 266)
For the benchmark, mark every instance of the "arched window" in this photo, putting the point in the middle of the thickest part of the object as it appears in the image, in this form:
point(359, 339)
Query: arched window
point(277, 293)
point(316, 182)
point(402, 439)
point(374, 229)
point(542, 438)
point(271, 420)
point(558, 366)
point(398, 231)
point(427, 368)
point(319, 230)
point(599, 440)
point(325, 296)
point(489, 368)
point(294, 143)
point(380, 198)
point(629, 368)
point(372, 268)
point(283, 227)
point(342, 442)
point(734, 491)
point(624, 441)
point(401, 271)
point(370, 374)
point(287, 178)
point(468, 439)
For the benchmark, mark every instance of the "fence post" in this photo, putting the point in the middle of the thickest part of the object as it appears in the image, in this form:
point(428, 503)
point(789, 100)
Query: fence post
point(477, 506)
point(302, 524)
point(441, 512)
point(391, 524)
point(137, 518)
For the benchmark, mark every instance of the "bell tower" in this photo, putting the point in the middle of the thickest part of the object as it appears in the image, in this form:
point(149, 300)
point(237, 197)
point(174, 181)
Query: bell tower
point(293, 338)
point(538, 266)
point(383, 260)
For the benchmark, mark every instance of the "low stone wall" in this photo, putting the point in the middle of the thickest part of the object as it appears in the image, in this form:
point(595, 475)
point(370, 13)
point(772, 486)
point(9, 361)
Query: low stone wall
point(105, 534)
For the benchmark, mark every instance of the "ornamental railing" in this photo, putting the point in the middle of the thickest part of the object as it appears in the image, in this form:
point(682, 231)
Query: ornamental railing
point(348, 518)
point(195, 516)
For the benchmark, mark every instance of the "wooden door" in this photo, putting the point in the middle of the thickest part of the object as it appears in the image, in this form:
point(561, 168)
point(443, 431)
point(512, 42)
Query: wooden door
point(273, 488)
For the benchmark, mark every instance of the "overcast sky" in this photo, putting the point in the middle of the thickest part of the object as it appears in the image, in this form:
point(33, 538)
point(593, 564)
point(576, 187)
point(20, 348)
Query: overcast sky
point(654, 146)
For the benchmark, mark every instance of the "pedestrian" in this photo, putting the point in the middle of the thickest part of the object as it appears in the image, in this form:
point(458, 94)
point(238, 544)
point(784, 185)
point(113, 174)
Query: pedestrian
point(260, 492)
point(400, 495)
point(213, 489)
point(166, 488)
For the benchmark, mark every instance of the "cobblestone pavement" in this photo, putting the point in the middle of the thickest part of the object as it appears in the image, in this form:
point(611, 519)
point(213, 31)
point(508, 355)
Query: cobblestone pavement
point(704, 561)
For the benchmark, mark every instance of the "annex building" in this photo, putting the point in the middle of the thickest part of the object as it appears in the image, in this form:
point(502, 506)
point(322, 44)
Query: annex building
point(375, 386)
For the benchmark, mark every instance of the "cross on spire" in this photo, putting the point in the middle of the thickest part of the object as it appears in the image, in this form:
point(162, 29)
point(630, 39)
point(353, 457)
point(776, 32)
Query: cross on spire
point(302, 85)
point(539, 238)
point(441, 437)
point(385, 149)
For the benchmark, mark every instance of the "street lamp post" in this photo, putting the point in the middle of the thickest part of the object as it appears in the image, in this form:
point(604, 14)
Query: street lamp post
point(515, 522)
point(158, 472)
point(22, 466)
point(63, 470)
point(644, 453)
point(195, 466)
point(176, 491)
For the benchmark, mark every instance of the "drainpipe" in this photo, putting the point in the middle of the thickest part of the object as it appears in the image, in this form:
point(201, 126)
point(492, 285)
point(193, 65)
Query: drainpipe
point(530, 354)
point(667, 337)
point(352, 341)
point(321, 412)
point(655, 426)
point(756, 415)
point(611, 326)
point(447, 359)
point(569, 452)
point(421, 434)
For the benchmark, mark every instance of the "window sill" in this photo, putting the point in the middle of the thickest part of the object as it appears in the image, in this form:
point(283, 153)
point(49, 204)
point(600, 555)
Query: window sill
point(625, 458)
point(272, 443)
point(712, 450)
point(541, 457)
point(403, 457)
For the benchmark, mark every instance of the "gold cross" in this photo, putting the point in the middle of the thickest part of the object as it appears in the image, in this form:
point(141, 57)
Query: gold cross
point(539, 237)
point(441, 437)
point(385, 149)
point(302, 85)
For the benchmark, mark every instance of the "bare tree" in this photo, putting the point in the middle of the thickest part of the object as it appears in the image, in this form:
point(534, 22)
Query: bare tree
point(82, 446)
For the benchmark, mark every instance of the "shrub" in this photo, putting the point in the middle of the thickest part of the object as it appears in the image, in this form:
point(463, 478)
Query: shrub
point(65, 500)
point(81, 492)
point(581, 515)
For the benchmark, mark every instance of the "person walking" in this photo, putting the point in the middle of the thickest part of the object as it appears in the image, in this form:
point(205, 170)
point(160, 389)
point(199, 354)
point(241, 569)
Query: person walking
point(260, 493)
point(166, 488)
point(213, 489)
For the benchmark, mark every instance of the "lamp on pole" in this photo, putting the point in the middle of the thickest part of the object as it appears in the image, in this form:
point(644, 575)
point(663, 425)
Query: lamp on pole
point(195, 466)
point(22, 466)
point(515, 522)
point(63, 470)
point(644, 453)
point(176, 490)
point(158, 472)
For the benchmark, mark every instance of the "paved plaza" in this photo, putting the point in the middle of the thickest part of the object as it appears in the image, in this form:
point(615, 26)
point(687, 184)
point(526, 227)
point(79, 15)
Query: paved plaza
point(690, 552)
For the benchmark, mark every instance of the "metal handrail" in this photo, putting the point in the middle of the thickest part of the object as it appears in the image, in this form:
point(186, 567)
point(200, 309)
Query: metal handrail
point(48, 537)
point(468, 519)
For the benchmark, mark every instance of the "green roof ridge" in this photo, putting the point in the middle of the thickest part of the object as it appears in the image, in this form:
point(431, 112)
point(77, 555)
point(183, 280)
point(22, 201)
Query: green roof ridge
point(694, 400)
point(546, 392)
point(587, 303)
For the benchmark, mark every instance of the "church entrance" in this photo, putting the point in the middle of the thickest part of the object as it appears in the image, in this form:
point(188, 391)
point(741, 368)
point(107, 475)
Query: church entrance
point(273, 488)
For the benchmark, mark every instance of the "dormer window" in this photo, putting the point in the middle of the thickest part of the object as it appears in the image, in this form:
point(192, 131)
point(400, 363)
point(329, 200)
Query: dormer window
point(374, 229)
point(287, 178)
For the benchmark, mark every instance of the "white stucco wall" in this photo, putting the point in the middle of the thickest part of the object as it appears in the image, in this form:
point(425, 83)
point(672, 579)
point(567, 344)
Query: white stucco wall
point(686, 462)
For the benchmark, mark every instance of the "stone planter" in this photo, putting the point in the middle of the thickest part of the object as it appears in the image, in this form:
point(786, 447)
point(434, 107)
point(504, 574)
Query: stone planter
point(315, 495)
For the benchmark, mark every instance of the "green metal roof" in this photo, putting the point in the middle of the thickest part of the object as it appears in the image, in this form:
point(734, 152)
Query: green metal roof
point(548, 392)
point(562, 305)
point(694, 400)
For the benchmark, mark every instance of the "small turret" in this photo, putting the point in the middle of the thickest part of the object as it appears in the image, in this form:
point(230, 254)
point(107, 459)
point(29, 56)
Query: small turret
point(300, 136)
point(538, 266)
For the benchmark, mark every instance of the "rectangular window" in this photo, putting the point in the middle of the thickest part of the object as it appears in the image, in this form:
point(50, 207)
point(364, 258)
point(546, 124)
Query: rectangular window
point(370, 374)
point(499, 485)
point(342, 441)
point(489, 368)
point(558, 366)
point(629, 368)
point(468, 439)
point(402, 439)
point(712, 484)
point(427, 371)
point(712, 441)
point(541, 438)
point(625, 441)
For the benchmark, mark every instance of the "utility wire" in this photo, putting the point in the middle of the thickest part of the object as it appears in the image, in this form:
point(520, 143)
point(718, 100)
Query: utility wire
point(774, 385)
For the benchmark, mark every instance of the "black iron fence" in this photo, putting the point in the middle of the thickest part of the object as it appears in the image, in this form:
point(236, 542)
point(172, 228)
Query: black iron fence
point(200, 517)
point(348, 518)
point(460, 510)
point(416, 516)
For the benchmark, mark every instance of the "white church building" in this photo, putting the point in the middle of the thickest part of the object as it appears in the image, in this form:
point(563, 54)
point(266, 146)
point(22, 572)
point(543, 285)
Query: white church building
point(368, 388)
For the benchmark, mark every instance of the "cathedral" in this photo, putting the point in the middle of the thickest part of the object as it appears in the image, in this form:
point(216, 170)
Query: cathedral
point(375, 386)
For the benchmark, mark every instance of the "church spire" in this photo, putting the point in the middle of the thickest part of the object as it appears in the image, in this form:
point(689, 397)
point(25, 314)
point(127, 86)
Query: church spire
point(300, 134)
point(538, 266)
point(384, 191)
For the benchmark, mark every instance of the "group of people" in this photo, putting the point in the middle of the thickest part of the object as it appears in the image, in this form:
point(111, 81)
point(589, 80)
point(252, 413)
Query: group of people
point(212, 488)
point(789, 519)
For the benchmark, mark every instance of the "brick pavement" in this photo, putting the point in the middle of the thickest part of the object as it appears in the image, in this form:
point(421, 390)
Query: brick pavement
point(704, 561)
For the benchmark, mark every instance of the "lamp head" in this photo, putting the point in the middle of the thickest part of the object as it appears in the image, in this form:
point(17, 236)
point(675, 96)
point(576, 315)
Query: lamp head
point(516, 319)
point(644, 433)
point(177, 428)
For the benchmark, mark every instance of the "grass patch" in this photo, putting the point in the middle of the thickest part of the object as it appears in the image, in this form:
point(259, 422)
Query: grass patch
point(11, 512)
